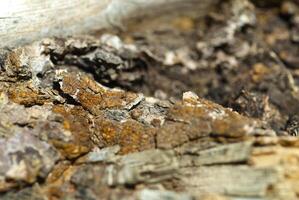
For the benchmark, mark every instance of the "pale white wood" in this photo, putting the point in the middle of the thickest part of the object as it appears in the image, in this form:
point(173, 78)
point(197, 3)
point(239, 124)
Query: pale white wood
point(23, 21)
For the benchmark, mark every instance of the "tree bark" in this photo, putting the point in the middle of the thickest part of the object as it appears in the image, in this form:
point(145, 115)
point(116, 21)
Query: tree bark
point(70, 133)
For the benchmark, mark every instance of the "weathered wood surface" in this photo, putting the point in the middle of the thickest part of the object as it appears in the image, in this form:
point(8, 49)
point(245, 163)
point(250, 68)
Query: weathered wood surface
point(196, 150)
point(22, 21)
point(185, 150)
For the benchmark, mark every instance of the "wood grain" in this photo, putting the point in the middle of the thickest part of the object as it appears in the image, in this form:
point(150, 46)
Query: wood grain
point(22, 21)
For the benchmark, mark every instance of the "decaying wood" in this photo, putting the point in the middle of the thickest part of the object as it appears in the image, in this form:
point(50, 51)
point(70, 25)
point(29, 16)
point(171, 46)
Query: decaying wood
point(22, 21)
point(64, 134)
point(193, 148)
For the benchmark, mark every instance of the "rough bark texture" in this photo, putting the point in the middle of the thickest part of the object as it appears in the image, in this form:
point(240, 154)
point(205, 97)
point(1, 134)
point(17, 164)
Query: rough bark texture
point(111, 117)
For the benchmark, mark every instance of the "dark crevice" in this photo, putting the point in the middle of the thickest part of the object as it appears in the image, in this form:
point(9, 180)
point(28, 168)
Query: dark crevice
point(68, 99)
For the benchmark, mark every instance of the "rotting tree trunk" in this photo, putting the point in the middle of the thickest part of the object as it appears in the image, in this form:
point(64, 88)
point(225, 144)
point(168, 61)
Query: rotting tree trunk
point(193, 148)
point(23, 21)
